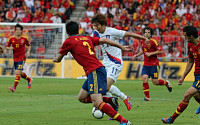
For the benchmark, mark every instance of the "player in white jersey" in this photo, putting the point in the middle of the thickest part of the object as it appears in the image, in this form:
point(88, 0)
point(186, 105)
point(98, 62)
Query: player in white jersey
point(112, 56)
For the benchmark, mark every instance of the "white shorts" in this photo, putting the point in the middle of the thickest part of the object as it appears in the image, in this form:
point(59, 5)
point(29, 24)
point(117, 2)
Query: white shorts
point(113, 72)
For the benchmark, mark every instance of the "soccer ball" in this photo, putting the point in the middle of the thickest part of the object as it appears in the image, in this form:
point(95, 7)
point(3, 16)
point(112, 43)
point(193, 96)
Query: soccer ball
point(98, 114)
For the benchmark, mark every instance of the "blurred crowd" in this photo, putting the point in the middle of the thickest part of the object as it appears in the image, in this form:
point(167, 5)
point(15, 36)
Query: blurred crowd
point(36, 11)
point(166, 17)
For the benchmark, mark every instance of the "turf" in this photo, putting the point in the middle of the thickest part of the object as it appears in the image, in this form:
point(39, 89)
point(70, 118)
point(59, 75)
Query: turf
point(54, 102)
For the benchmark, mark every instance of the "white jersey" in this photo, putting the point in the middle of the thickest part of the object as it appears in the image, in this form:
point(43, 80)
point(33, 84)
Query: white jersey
point(111, 55)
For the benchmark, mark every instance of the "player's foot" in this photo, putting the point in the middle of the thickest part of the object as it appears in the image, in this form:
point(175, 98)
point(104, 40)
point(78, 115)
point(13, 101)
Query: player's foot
point(29, 83)
point(128, 104)
point(198, 110)
point(169, 86)
point(115, 104)
point(167, 120)
point(12, 89)
point(147, 99)
point(122, 123)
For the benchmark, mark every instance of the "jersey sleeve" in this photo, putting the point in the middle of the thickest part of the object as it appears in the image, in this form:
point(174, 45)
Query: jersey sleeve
point(190, 54)
point(9, 43)
point(95, 40)
point(95, 34)
point(65, 48)
point(27, 42)
point(119, 34)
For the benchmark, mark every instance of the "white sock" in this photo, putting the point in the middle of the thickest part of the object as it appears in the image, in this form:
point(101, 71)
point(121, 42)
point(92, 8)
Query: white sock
point(108, 94)
point(115, 91)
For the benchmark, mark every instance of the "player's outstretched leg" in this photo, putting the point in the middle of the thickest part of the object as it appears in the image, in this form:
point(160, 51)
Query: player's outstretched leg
point(24, 76)
point(12, 89)
point(112, 113)
point(115, 91)
point(198, 110)
point(167, 120)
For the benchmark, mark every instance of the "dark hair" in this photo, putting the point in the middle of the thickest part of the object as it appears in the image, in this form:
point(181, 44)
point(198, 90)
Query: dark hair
point(191, 31)
point(72, 28)
point(19, 26)
point(148, 28)
point(99, 18)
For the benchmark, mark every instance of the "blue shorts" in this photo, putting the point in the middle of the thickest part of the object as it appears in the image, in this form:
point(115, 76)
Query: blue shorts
point(96, 82)
point(19, 65)
point(151, 71)
point(196, 83)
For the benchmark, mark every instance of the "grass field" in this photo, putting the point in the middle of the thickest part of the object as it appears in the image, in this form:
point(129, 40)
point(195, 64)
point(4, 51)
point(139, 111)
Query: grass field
point(54, 102)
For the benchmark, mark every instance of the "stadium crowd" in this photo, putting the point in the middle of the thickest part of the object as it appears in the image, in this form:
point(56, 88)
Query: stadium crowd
point(166, 17)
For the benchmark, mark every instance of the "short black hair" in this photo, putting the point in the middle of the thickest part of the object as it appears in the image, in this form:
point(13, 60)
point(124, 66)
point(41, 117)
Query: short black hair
point(72, 28)
point(148, 28)
point(191, 31)
point(99, 18)
point(19, 26)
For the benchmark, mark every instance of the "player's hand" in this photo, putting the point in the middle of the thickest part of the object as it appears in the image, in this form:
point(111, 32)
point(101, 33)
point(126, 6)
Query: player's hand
point(180, 81)
point(148, 54)
point(28, 54)
point(134, 57)
point(55, 60)
point(127, 48)
point(146, 40)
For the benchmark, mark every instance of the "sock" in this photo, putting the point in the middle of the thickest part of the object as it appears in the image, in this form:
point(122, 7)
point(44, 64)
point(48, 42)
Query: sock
point(181, 107)
point(105, 99)
point(24, 76)
point(162, 82)
point(198, 100)
point(17, 78)
point(115, 91)
point(111, 112)
point(108, 94)
point(146, 89)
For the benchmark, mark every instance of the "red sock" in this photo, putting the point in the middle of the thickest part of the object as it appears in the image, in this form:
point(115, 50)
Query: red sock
point(111, 112)
point(17, 78)
point(162, 82)
point(181, 107)
point(24, 76)
point(146, 89)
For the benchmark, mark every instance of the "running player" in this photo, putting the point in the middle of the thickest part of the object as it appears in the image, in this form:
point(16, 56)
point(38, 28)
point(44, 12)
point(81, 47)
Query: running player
point(191, 36)
point(112, 56)
point(82, 49)
point(151, 64)
point(18, 44)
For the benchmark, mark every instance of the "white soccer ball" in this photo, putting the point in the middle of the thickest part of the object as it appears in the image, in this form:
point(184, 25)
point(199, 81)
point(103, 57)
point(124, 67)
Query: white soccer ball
point(98, 114)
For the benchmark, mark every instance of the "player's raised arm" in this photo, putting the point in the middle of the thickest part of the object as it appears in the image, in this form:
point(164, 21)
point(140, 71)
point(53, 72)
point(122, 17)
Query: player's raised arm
point(112, 43)
point(137, 36)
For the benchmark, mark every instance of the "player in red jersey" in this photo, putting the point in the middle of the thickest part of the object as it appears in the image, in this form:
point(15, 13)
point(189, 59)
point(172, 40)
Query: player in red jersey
point(18, 44)
point(151, 63)
point(82, 49)
point(191, 36)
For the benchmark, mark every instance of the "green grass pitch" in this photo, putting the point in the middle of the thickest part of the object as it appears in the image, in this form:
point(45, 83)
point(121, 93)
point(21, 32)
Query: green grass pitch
point(54, 102)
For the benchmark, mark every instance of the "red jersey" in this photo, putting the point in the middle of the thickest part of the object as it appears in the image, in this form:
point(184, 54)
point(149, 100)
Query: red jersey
point(194, 53)
point(82, 49)
point(152, 60)
point(19, 46)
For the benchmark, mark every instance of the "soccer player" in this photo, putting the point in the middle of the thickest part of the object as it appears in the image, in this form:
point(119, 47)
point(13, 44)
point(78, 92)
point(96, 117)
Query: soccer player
point(82, 49)
point(151, 64)
point(18, 44)
point(112, 56)
point(191, 36)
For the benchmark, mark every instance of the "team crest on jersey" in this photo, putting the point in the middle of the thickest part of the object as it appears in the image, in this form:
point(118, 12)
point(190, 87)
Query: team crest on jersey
point(22, 41)
point(13, 41)
point(145, 49)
